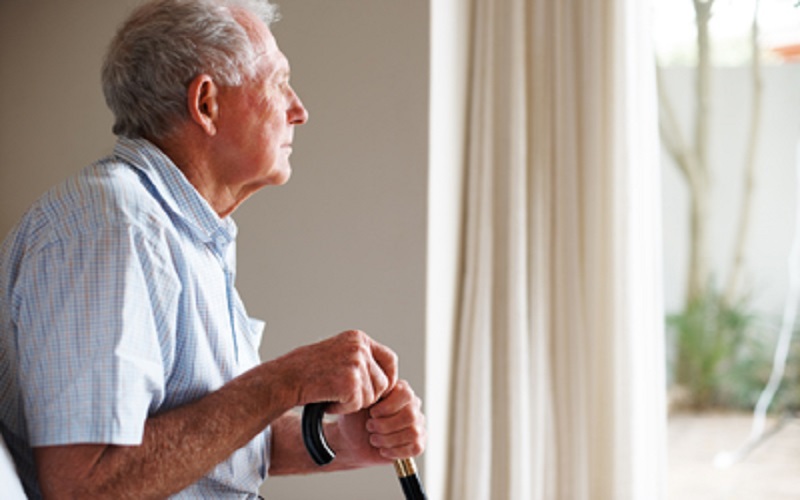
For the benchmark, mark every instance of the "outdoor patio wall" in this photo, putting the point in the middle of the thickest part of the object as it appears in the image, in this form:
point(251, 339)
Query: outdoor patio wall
point(342, 246)
point(775, 198)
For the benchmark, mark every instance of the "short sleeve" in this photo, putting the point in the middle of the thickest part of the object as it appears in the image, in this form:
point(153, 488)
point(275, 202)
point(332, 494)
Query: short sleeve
point(92, 342)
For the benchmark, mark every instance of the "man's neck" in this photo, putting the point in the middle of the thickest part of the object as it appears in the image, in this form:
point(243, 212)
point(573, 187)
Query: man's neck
point(193, 158)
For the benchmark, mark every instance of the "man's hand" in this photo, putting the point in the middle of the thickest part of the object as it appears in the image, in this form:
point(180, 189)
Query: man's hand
point(391, 429)
point(350, 370)
point(380, 417)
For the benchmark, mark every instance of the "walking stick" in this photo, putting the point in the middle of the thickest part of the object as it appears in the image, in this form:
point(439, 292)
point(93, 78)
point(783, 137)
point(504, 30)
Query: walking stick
point(321, 453)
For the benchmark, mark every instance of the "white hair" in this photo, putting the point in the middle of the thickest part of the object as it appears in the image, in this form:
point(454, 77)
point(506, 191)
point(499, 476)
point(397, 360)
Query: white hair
point(163, 46)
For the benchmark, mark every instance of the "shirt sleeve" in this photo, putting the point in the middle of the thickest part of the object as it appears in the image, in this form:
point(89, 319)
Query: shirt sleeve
point(93, 350)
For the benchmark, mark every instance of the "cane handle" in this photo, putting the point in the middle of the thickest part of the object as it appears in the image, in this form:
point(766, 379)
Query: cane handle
point(313, 435)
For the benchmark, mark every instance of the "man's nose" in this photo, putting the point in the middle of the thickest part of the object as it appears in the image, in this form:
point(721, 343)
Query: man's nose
point(297, 113)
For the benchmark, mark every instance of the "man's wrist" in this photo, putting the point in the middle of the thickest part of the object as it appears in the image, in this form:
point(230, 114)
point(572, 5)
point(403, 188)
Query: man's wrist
point(338, 444)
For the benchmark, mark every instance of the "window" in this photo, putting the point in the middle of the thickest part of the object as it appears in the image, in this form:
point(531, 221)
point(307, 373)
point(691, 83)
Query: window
point(727, 300)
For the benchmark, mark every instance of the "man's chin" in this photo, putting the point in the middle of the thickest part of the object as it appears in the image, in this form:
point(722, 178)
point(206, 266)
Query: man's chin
point(280, 178)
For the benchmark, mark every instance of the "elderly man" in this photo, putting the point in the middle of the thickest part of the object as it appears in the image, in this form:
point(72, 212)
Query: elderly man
point(128, 365)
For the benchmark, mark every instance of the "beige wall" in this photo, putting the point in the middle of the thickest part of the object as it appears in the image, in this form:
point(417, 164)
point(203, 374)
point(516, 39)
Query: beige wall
point(53, 118)
point(343, 245)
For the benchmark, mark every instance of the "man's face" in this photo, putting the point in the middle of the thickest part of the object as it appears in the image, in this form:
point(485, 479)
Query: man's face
point(257, 119)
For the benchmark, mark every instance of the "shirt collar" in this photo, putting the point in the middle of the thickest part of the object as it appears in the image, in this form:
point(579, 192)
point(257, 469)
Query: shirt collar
point(176, 191)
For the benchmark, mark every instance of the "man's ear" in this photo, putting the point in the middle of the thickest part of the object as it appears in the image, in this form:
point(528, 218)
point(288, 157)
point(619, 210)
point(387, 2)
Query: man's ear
point(203, 95)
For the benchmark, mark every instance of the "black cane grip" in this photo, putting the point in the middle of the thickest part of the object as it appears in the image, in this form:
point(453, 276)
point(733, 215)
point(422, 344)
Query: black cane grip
point(313, 435)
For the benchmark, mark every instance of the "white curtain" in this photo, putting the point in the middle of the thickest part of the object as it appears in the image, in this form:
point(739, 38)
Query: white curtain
point(559, 378)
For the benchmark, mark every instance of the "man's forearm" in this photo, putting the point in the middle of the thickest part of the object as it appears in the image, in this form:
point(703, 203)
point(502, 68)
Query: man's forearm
point(178, 447)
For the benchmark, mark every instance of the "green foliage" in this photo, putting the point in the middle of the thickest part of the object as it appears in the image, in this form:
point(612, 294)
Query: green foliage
point(723, 356)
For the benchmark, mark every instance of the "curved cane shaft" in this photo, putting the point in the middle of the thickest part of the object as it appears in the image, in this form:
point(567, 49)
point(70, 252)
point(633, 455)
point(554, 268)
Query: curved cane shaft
point(322, 454)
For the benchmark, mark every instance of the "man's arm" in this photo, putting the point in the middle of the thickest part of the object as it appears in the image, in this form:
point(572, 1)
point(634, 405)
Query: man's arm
point(181, 445)
point(178, 446)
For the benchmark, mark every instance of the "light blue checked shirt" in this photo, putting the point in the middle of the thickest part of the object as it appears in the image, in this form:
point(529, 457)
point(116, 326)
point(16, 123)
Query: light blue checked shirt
point(117, 302)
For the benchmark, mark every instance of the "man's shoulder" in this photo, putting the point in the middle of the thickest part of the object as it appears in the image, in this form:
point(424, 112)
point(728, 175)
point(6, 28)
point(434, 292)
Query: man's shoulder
point(107, 193)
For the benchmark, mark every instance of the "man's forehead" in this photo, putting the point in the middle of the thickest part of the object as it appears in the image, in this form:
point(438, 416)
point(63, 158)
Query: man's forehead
point(273, 62)
point(265, 46)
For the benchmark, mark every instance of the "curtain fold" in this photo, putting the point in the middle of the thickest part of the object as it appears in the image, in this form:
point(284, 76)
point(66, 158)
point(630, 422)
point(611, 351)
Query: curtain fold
point(559, 385)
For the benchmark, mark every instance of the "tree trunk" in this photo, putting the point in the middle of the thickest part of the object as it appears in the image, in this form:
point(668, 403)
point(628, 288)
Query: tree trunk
point(748, 187)
point(699, 277)
point(698, 270)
